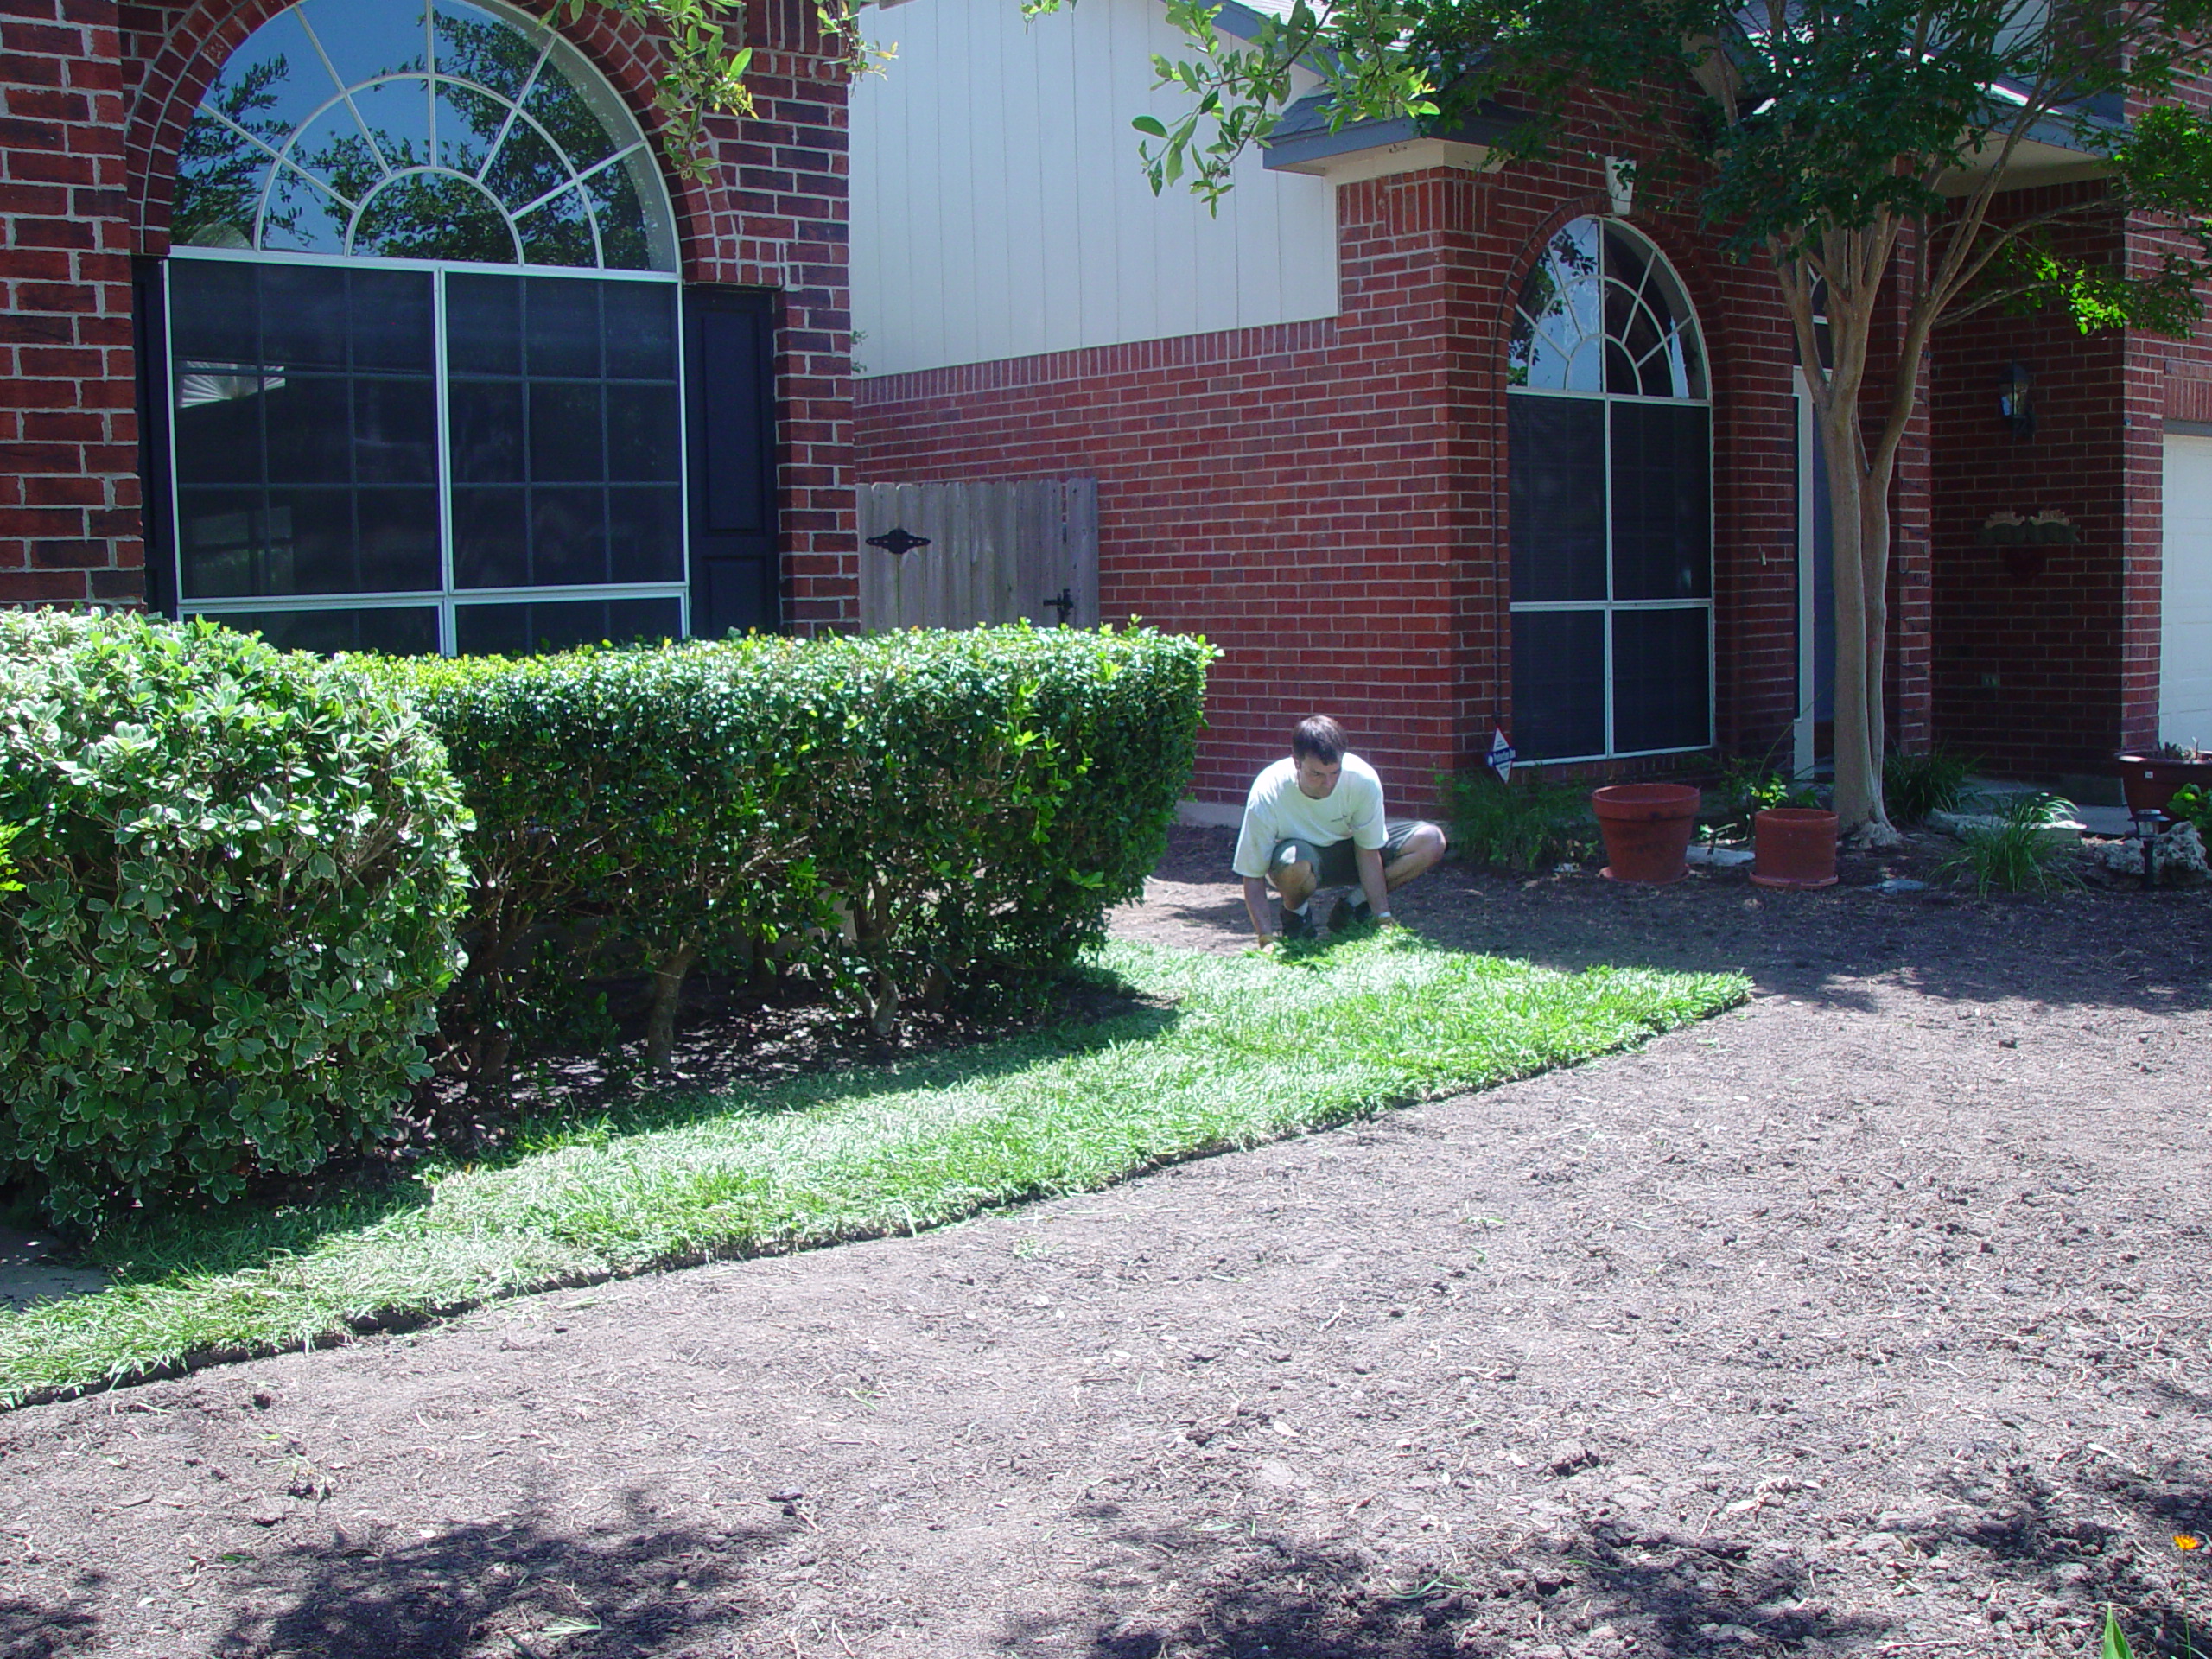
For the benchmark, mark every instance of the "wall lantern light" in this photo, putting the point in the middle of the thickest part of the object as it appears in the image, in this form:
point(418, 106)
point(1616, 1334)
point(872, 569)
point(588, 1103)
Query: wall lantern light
point(2013, 402)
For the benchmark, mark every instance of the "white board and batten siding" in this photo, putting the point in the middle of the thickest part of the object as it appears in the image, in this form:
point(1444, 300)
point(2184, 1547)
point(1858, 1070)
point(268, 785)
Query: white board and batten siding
point(998, 552)
point(2185, 607)
point(999, 209)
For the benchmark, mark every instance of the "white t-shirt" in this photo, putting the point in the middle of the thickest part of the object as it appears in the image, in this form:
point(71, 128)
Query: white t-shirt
point(1278, 810)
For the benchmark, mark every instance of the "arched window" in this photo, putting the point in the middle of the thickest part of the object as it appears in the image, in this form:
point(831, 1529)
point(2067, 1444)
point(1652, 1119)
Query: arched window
point(1610, 456)
point(424, 381)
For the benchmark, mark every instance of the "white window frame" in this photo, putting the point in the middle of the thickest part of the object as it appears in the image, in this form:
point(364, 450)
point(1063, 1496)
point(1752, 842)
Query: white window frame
point(1610, 606)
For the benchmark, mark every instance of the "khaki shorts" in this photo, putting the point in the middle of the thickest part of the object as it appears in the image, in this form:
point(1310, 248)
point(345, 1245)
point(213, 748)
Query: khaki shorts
point(1333, 861)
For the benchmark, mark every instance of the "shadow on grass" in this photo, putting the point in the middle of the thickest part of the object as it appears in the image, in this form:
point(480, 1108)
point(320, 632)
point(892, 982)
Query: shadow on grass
point(513, 1587)
point(159, 1246)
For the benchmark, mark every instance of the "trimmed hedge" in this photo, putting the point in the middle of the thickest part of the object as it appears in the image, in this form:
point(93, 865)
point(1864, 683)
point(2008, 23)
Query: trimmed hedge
point(917, 814)
point(240, 877)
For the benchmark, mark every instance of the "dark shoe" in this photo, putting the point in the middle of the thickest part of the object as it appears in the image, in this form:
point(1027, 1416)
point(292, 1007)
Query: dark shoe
point(1295, 926)
point(1351, 911)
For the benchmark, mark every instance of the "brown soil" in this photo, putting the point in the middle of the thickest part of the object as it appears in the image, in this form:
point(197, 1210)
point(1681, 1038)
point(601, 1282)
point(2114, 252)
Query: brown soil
point(1870, 1319)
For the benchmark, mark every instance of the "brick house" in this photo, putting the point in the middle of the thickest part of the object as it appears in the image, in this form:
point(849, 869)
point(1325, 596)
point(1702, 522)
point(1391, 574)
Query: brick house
point(1444, 449)
point(374, 322)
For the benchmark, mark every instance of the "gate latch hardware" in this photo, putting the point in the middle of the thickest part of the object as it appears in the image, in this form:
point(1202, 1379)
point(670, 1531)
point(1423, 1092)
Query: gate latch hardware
point(1064, 605)
point(897, 539)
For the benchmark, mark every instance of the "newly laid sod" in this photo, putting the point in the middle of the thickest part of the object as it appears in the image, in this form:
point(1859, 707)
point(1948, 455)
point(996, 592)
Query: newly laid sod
point(1242, 1050)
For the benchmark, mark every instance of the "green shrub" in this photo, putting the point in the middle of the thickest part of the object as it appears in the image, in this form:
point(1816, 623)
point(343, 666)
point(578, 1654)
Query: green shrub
point(240, 878)
point(2015, 855)
point(909, 814)
point(1913, 785)
point(2191, 805)
point(1525, 825)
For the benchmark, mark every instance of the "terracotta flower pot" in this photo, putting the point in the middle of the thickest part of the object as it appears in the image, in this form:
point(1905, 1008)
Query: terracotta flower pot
point(2151, 783)
point(1795, 847)
point(1647, 828)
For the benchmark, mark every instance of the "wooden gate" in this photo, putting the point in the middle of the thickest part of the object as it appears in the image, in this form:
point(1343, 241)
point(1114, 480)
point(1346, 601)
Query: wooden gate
point(996, 553)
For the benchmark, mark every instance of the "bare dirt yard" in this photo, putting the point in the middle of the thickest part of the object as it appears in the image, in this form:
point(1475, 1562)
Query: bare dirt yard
point(1870, 1319)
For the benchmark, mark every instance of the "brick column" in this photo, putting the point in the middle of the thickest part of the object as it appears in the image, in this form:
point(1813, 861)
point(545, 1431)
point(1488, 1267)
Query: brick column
point(69, 524)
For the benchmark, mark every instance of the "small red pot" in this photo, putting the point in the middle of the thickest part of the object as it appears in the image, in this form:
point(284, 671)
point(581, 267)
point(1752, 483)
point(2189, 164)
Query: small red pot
point(1795, 847)
point(2151, 783)
point(1647, 828)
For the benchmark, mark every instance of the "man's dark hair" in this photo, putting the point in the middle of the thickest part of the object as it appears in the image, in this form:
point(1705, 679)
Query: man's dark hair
point(1318, 738)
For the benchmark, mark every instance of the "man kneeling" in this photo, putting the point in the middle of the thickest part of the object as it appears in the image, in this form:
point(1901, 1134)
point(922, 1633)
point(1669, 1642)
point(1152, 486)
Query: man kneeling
point(1314, 820)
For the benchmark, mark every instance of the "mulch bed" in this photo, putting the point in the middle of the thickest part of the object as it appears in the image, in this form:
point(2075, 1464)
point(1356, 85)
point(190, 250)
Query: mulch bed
point(1869, 1319)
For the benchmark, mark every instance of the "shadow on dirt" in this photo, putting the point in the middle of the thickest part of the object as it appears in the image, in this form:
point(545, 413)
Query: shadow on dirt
point(2094, 949)
point(30, 1631)
point(1605, 1590)
point(506, 1588)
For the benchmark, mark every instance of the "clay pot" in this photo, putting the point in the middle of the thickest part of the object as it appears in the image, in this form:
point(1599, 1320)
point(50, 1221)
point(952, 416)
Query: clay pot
point(1795, 848)
point(1647, 828)
point(2151, 783)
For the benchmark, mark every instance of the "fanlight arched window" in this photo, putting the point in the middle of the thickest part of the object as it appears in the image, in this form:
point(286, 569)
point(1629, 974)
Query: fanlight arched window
point(424, 382)
point(1610, 456)
point(450, 132)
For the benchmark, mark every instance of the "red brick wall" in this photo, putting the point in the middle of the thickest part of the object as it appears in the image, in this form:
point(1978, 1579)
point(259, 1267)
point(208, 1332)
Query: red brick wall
point(97, 101)
point(68, 426)
point(2030, 673)
point(1326, 500)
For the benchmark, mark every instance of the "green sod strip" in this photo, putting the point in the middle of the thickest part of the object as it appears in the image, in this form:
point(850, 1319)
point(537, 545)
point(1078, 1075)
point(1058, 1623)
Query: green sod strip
point(1251, 1049)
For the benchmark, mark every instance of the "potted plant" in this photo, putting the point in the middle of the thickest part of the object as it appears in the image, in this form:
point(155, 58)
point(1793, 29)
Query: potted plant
point(1795, 848)
point(2153, 776)
point(1647, 828)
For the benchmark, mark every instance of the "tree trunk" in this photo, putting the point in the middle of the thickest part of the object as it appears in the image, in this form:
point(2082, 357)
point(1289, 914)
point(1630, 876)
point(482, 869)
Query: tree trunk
point(669, 975)
point(1857, 782)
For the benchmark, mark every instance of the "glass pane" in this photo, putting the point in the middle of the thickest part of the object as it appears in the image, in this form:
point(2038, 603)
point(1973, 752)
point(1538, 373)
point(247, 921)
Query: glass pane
point(215, 311)
point(218, 534)
point(1558, 684)
point(491, 52)
point(395, 431)
point(525, 169)
point(217, 431)
point(491, 539)
point(305, 311)
point(1662, 502)
point(645, 534)
point(273, 82)
point(394, 327)
point(435, 216)
point(568, 535)
point(399, 541)
point(219, 175)
point(564, 434)
point(641, 326)
point(487, 431)
point(468, 124)
point(568, 117)
point(300, 216)
point(310, 543)
point(558, 232)
point(518, 630)
point(1560, 328)
point(311, 430)
point(484, 324)
point(1662, 680)
point(402, 631)
point(381, 39)
point(563, 328)
point(642, 441)
point(627, 237)
point(396, 113)
point(1556, 466)
point(332, 149)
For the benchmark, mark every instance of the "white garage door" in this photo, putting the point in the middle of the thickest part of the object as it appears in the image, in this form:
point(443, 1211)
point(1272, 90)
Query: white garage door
point(2185, 635)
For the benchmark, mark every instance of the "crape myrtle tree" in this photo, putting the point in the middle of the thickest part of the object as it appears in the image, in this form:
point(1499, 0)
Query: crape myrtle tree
point(1843, 144)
